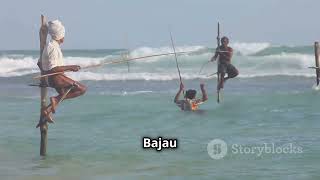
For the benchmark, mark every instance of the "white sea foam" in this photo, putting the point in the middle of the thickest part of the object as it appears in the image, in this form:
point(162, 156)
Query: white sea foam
point(163, 68)
point(85, 61)
point(17, 67)
point(125, 93)
point(28, 65)
point(249, 48)
point(164, 77)
point(316, 87)
point(131, 76)
point(146, 51)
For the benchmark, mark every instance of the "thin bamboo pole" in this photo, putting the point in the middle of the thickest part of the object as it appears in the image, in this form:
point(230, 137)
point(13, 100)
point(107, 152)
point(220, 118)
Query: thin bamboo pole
point(43, 123)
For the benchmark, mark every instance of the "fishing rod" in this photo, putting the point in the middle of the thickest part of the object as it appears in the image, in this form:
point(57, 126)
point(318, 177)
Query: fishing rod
point(212, 74)
point(115, 62)
point(176, 58)
point(175, 55)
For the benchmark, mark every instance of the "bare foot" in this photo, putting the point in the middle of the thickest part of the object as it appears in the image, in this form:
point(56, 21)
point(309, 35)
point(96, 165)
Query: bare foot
point(54, 102)
point(50, 119)
point(46, 116)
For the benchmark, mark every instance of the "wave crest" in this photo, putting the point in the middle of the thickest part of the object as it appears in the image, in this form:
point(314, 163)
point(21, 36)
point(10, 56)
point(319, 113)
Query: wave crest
point(249, 48)
point(164, 68)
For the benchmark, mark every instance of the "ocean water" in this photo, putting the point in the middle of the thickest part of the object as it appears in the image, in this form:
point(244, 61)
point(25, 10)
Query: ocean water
point(98, 136)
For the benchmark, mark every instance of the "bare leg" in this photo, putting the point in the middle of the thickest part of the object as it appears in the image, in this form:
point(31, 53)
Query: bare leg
point(222, 79)
point(63, 84)
point(232, 72)
point(66, 82)
point(76, 91)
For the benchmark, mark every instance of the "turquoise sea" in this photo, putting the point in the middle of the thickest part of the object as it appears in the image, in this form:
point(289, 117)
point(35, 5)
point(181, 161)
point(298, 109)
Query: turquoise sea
point(98, 136)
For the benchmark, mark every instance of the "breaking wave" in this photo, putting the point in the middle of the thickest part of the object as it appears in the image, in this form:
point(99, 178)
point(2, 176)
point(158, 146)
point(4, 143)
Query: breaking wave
point(252, 60)
point(249, 48)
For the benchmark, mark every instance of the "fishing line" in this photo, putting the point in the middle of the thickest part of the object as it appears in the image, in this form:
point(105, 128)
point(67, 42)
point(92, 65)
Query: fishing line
point(115, 62)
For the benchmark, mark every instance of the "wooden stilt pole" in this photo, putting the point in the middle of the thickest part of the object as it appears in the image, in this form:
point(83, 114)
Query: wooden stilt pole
point(316, 53)
point(219, 78)
point(43, 123)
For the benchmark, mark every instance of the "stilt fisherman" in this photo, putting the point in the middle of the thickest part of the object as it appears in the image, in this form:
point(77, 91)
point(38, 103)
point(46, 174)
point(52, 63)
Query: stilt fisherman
point(52, 62)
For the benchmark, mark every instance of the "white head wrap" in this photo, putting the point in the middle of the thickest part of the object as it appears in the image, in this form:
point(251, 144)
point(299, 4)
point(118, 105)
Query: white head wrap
point(56, 29)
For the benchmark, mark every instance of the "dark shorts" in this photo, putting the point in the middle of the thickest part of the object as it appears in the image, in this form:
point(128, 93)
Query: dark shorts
point(227, 68)
point(61, 83)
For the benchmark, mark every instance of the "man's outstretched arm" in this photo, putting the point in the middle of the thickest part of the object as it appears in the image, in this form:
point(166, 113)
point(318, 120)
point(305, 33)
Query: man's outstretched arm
point(176, 98)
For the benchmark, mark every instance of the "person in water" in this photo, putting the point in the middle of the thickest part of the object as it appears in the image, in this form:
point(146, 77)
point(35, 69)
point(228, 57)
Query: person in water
point(52, 62)
point(224, 53)
point(190, 103)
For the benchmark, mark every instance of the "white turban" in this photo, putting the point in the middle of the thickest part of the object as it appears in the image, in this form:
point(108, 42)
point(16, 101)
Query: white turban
point(56, 29)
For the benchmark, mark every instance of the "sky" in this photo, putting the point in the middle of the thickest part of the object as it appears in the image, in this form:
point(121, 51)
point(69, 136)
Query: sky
point(105, 24)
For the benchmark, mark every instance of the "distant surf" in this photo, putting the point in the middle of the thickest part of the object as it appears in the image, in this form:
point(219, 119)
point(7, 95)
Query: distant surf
point(252, 60)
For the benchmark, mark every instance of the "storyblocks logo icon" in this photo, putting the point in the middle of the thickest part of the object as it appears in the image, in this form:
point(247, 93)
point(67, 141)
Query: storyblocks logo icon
point(218, 149)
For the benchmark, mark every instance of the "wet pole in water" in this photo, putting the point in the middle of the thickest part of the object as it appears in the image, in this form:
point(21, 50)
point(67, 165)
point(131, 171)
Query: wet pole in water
point(43, 122)
point(316, 53)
